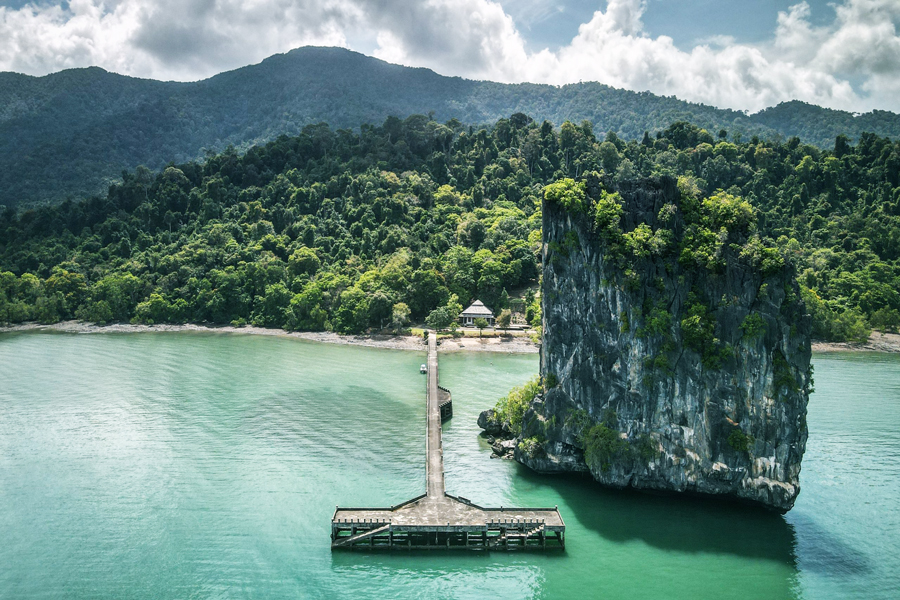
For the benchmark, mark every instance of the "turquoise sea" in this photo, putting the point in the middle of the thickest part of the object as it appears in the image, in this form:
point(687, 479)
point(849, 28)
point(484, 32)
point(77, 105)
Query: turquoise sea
point(189, 465)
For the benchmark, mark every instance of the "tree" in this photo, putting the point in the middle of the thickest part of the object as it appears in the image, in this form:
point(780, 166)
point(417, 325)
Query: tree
point(609, 156)
point(503, 301)
point(270, 311)
point(353, 313)
point(439, 318)
point(569, 194)
point(426, 290)
point(121, 292)
point(304, 260)
point(380, 307)
point(470, 233)
point(454, 308)
point(491, 281)
point(400, 316)
point(480, 323)
point(71, 286)
point(305, 310)
point(504, 319)
point(153, 310)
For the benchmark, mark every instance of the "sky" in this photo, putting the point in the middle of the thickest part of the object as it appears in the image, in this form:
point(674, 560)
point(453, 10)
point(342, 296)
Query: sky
point(745, 55)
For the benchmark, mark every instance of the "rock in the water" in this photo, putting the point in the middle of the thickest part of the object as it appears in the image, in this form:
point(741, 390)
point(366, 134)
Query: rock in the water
point(675, 350)
point(490, 422)
point(504, 448)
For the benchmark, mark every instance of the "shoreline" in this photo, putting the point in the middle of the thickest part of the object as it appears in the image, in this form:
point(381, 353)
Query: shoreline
point(888, 343)
point(509, 345)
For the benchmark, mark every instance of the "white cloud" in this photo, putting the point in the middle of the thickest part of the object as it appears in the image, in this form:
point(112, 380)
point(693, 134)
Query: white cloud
point(866, 41)
point(164, 39)
point(853, 63)
point(471, 38)
point(613, 48)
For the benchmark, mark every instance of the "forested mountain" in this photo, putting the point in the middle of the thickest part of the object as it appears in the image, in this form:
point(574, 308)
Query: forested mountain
point(71, 133)
point(351, 231)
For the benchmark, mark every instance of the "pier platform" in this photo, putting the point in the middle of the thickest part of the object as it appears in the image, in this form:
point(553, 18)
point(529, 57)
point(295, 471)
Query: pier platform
point(437, 520)
point(450, 522)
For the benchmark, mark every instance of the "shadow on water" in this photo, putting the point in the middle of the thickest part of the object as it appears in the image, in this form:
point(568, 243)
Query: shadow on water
point(667, 522)
point(820, 552)
point(462, 559)
point(671, 522)
point(695, 524)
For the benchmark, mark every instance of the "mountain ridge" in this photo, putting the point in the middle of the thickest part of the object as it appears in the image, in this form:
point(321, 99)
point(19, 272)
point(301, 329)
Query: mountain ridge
point(69, 134)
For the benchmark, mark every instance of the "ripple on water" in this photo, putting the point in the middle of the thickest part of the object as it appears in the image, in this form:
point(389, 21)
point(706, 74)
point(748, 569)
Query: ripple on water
point(196, 465)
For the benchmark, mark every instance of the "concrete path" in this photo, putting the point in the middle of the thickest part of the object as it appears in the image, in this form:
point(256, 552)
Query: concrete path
point(434, 467)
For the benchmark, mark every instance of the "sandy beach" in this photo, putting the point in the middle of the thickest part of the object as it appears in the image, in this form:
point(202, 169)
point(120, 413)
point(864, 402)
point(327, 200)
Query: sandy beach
point(878, 342)
point(509, 344)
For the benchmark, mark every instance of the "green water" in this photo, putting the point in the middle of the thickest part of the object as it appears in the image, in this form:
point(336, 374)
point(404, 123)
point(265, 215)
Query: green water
point(207, 466)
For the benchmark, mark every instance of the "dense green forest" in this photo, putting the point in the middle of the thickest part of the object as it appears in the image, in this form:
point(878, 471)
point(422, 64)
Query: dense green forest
point(349, 231)
point(72, 133)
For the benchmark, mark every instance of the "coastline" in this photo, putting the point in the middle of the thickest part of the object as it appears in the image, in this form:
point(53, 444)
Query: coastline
point(511, 345)
point(878, 342)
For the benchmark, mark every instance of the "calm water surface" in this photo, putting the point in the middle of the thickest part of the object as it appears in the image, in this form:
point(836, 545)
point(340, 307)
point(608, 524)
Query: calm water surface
point(187, 465)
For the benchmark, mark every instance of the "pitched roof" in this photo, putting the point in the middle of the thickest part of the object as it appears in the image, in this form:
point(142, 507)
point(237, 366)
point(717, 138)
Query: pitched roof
point(477, 310)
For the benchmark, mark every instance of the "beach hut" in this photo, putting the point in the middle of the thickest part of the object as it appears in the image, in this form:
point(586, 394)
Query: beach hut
point(477, 310)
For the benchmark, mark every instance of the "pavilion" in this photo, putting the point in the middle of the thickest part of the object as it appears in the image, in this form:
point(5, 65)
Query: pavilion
point(475, 311)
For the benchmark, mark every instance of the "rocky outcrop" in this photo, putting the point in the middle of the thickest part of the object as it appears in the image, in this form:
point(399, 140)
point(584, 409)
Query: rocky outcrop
point(489, 421)
point(676, 350)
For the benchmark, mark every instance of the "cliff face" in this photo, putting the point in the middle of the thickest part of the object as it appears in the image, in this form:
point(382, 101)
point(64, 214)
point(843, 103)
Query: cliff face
point(676, 352)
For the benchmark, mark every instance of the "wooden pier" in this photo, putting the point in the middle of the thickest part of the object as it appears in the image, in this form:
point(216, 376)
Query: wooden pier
point(437, 520)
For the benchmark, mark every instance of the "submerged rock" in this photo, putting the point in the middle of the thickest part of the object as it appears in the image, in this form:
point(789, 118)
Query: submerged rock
point(676, 350)
point(504, 448)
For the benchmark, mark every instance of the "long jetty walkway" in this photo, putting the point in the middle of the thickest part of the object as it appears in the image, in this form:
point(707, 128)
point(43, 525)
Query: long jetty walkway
point(437, 520)
point(434, 451)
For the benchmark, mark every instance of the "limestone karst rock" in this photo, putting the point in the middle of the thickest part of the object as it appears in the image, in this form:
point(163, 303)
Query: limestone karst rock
point(676, 348)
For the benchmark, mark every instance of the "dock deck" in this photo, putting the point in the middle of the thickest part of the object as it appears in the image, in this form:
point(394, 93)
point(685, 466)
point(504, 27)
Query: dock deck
point(437, 520)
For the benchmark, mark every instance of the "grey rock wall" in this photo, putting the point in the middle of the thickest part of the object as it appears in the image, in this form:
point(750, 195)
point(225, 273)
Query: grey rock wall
point(642, 410)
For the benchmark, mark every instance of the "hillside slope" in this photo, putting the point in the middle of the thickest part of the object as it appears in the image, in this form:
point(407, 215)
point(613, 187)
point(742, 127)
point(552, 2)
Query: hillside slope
point(351, 224)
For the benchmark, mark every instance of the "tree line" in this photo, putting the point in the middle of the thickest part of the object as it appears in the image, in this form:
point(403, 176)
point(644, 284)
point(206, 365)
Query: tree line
point(351, 231)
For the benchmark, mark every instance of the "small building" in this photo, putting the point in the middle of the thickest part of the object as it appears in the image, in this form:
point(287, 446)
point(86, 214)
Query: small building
point(477, 310)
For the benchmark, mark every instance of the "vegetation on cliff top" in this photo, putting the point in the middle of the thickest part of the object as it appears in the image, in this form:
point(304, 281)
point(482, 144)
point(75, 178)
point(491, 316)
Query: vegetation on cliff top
point(342, 231)
point(511, 408)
